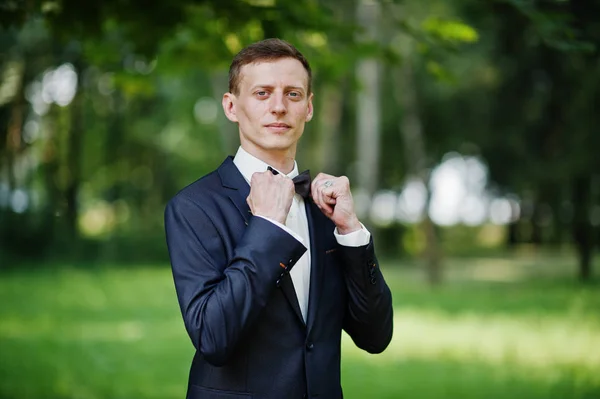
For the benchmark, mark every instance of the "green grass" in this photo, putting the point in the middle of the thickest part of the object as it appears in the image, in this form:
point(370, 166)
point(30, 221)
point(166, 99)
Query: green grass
point(499, 328)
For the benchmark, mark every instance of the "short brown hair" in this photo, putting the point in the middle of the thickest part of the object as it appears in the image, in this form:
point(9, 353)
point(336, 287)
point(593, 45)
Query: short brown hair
point(265, 50)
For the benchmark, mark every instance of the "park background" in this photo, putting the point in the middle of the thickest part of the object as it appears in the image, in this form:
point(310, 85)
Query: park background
point(468, 129)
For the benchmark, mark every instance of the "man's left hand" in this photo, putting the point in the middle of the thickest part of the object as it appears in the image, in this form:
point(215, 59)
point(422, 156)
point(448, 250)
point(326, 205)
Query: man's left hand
point(333, 197)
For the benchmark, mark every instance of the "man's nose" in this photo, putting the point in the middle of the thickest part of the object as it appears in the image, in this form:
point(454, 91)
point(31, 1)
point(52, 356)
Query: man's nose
point(278, 105)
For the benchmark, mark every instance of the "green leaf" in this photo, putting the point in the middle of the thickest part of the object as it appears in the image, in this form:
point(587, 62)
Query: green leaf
point(450, 31)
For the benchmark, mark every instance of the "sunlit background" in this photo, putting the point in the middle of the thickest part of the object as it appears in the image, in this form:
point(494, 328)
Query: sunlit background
point(468, 130)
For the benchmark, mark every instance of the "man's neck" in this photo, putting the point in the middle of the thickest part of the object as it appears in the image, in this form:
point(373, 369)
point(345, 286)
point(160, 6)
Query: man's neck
point(283, 161)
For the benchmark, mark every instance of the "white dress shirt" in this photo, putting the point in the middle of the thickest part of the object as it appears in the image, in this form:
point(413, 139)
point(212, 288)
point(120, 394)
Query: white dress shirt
point(296, 224)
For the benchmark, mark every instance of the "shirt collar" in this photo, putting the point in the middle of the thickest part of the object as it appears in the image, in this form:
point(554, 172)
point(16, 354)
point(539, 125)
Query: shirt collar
point(248, 165)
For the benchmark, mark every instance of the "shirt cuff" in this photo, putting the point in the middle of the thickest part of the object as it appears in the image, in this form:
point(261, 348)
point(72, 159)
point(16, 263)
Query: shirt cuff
point(357, 238)
point(284, 228)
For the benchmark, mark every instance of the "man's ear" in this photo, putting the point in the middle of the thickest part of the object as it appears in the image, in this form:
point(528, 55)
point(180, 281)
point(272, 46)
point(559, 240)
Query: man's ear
point(229, 107)
point(309, 114)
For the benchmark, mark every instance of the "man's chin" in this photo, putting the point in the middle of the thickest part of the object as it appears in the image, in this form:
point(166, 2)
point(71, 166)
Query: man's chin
point(274, 142)
point(279, 142)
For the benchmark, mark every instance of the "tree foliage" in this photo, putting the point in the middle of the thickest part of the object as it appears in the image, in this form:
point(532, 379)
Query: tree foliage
point(514, 82)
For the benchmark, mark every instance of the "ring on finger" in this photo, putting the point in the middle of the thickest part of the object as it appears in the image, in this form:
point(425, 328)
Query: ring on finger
point(328, 183)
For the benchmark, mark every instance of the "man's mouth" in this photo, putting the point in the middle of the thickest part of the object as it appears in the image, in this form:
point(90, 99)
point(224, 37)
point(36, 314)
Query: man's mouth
point(279, 125)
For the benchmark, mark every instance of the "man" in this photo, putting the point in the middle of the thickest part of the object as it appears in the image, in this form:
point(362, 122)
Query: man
point(267, 279)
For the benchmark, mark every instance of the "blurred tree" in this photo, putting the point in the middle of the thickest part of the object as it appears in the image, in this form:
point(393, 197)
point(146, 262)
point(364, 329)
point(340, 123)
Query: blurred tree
point(144, 119)
point(135, 130)
point(418, 29)
point(368, 108)
point(543, 118)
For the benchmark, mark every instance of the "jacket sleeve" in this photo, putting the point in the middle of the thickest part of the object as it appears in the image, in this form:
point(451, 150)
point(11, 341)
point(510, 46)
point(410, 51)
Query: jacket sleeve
point(369, 315)
point(220, 299)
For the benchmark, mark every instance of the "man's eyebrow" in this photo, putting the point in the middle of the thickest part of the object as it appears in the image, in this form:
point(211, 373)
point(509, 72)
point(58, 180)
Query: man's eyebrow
point(267, 86)
point(295, 88)
point(262, 87)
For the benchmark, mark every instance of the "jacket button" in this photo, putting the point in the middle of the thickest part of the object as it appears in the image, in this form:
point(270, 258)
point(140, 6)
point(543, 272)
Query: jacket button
point(373, 280)
point(278, 282)
point(309, 346)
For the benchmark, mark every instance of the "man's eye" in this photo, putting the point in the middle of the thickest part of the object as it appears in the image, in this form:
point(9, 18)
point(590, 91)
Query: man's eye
point(261, 93)
point(294, 94)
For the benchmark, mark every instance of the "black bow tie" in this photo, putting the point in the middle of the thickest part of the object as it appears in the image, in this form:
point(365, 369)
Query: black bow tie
point(301, 182)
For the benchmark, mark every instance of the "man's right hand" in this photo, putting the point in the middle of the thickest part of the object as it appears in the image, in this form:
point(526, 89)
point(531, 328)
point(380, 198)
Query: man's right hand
point(271, 196)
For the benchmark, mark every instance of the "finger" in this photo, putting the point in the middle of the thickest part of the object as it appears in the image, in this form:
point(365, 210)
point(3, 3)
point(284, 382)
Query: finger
point(328, 192)
point(329, 199)
point(324, 199)
point(319, 180)
point(314, 189)
point(339, 186)
point(327, 204)
point(257, 175)
point(315, 197)
point(289, 186)
point(318, 196)
point(249, 202)
point(258, 179)
point(315, 184)
point(284, 183)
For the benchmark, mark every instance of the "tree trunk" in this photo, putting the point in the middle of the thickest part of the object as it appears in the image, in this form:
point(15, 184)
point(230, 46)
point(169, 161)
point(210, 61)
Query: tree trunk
point(15, 126)
point(512, 238)
point(368, 121)
point(583, 232)
point(411, 129)
point(536, 227)
point(330, 119)
point(113, 144)
point(76, 133)
point(51, 168)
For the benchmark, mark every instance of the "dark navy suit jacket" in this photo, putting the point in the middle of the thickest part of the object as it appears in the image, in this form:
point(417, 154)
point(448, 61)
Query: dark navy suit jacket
point(231, 273)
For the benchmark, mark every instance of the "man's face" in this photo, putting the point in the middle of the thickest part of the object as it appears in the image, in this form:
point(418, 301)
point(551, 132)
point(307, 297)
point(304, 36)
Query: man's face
point(272, 106)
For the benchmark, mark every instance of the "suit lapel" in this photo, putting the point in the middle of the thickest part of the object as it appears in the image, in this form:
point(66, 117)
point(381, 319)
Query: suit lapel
point(239, 189)
point(317, 261)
